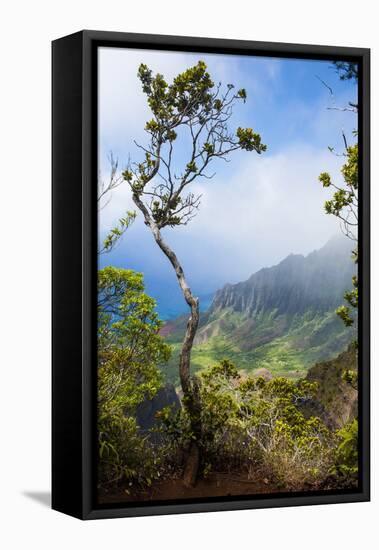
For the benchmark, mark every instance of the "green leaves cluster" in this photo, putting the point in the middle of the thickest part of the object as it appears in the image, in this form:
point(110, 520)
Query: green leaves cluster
point(343, 197)
point(250, 140)
point(347, 70)
point(347, 450)
point(163, 210)
point(190, 91)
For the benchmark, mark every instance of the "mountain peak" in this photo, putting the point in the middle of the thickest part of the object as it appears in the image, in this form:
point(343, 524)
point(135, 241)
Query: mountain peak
point(317, 281)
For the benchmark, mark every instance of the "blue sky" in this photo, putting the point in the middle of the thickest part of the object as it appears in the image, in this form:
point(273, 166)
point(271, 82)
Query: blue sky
point(257, 209)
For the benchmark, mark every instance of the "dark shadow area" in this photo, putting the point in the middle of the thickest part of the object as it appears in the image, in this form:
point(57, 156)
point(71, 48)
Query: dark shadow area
point(42, 497)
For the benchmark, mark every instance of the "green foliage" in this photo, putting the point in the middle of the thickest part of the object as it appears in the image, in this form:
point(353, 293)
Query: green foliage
point(347, 450)
point(116, 233)
point(343, 197)
point(189, 91)
point(344, 202)
point(124, 455)
point(343, 313)
point(324, 178)
point(249, 140)
point(347, 70)
point(351, 296)
point(129, 350)
point(350, 169)
point(249, 423)
point(344, 205)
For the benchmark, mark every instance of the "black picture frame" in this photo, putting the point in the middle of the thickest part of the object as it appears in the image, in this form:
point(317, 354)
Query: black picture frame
point(74, 175)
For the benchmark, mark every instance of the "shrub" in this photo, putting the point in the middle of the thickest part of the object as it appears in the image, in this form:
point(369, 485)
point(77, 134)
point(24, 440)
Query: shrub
point(129, 352)
point(346, 460)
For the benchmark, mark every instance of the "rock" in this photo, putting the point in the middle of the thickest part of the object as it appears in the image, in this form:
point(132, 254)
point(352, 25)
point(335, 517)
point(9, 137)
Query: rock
point(264, 373)
point(336, 401)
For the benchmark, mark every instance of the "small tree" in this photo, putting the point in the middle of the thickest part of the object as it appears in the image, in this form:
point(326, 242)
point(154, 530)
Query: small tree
point(129, 352)
point(344, 202)
point(191, 108)
point(344, 205)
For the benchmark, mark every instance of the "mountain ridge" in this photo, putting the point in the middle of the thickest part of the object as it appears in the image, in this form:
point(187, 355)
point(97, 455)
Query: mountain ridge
point(281, 318)
point(252, 294)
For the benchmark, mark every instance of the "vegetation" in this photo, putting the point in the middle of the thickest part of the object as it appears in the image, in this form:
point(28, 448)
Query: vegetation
point(344, 202)
point(249, 424)
point(347, 450)
point(129, 352)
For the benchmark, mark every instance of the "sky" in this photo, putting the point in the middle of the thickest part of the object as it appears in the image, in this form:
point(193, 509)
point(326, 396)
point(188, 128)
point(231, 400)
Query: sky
point(257, 209)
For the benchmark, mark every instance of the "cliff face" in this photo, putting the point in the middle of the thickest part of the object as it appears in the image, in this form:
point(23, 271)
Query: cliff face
point(294, 286)
point(336, 400)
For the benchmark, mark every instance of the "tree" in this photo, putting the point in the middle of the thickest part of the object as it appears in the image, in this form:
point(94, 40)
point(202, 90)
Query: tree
point(347, 70)
point(191, 108)
point(130, 349)
point(344, 202)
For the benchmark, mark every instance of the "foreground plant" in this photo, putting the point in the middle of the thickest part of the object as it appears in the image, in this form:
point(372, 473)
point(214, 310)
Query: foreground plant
point(129, 352)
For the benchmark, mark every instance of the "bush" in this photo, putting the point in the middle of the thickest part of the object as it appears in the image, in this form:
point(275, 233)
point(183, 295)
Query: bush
point(346, 460)
point(129, 352)
point(124, 454)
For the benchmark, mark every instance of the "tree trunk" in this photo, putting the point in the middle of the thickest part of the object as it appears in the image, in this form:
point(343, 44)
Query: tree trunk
point(188, 383)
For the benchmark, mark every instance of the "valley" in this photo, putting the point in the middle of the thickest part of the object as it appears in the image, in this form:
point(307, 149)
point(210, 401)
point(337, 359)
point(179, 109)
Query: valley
point(281, 319)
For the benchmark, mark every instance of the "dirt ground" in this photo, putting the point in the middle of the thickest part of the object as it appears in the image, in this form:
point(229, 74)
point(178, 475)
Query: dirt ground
point(216, 485)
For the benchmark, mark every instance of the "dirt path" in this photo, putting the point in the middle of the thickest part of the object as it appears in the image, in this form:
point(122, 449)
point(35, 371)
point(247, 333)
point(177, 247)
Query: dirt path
point(216, 485)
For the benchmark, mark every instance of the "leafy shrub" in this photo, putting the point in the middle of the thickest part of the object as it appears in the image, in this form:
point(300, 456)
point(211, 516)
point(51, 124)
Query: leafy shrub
point(129, 352)
point(124, 454)
point(346, 462)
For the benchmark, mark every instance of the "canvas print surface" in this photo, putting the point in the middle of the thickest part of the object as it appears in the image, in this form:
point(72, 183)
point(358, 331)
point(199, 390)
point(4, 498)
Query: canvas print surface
point(227, 276)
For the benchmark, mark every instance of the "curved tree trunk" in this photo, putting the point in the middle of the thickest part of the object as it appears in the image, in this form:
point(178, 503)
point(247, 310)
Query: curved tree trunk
point(188, 383)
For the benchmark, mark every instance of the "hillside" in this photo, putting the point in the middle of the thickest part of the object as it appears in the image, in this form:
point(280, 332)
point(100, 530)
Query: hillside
point(282, 318)
point(336, 401)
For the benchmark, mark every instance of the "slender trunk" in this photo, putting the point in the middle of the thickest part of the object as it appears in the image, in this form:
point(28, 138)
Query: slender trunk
point(188, 383)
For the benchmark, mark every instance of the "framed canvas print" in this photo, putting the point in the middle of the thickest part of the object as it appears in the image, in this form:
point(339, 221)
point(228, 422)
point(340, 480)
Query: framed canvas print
point(210, 274)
